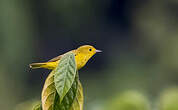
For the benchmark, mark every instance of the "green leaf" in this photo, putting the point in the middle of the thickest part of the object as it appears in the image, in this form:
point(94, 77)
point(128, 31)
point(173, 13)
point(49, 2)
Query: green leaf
point(38, 107)
point(69, 97)
point(65, 74)
point(72, 99)
point(128, 100)
point(49, 93)
point(78, 102)
point(51, 99)
point(168, 99)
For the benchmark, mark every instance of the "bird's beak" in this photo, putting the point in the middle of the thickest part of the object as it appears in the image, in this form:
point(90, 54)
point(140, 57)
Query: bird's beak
point(98, 51)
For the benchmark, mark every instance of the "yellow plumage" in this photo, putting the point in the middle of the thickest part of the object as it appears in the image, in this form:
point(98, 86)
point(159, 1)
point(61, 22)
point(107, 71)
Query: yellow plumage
point(82, 55)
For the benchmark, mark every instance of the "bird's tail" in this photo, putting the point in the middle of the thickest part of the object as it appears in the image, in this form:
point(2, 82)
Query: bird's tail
point(37, 65)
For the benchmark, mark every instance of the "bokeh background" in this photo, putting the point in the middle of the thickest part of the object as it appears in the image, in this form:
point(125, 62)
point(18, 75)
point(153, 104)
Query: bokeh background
point(138, 69)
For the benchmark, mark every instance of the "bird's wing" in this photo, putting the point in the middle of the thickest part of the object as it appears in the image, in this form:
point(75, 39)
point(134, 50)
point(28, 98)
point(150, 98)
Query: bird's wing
point(59, 57)
point(55, 58)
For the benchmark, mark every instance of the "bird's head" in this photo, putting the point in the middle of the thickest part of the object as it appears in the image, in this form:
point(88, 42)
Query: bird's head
point(88, 50)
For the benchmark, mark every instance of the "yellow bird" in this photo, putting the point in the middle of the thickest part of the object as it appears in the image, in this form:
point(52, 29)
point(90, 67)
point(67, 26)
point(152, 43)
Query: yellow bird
point(82, 55)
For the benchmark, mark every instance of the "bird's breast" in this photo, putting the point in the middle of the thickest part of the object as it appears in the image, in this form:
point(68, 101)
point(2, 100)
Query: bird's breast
point(81, 60)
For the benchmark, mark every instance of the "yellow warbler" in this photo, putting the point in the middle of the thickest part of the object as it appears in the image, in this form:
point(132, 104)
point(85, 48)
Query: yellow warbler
point(82, 55)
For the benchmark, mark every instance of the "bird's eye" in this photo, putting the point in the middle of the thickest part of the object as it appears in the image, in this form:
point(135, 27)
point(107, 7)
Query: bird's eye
point(90, 49)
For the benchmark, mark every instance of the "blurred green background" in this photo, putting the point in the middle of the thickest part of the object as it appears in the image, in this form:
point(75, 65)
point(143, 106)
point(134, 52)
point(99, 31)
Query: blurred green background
point(138, 69)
